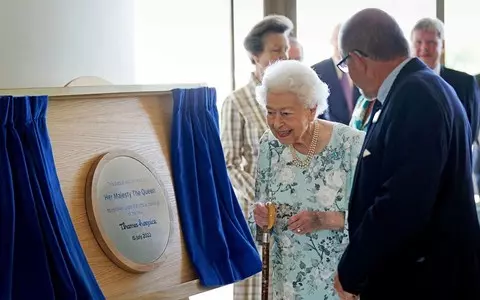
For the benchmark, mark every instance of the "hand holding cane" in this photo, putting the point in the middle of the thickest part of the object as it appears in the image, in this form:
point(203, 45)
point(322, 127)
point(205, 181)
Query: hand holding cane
point(266, 249)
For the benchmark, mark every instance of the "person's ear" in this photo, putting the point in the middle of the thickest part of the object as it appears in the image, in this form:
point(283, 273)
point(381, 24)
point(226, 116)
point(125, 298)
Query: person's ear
point(255, 59)
point(359, 61)
point(313, 113)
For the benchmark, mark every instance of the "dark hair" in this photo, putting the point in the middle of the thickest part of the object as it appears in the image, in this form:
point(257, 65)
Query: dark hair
point(254, 43)
point(375, 33)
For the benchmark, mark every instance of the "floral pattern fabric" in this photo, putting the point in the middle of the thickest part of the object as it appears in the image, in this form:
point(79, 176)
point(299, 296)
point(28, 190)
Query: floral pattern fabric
point(304, 265)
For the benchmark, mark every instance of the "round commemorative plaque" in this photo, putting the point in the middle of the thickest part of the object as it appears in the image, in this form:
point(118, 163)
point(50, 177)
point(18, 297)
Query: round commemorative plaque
point(128, 211)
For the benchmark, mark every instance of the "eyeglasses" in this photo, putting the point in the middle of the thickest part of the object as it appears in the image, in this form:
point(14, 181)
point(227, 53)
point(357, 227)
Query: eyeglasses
point(342, 65)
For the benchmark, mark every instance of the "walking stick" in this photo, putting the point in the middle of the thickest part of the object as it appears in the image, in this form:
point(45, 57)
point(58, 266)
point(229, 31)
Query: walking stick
point(266, 250)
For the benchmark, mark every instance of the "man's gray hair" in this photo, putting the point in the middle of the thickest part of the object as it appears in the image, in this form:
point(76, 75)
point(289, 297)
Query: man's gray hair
point(430, 24)
point(295, 43)
point(375, 34)
point(293, 40)
point(254, 43)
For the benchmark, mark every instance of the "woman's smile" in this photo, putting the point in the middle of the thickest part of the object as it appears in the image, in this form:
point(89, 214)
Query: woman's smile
point(284, 133)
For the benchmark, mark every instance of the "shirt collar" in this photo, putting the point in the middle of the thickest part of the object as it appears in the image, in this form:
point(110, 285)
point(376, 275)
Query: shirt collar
point(437, 69)
point(388, 82)
point(254, 80)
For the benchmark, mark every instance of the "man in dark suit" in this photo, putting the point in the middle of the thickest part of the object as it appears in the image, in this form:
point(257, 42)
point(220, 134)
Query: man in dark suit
point(414, 232)
point(427, 39)
point(343, 93)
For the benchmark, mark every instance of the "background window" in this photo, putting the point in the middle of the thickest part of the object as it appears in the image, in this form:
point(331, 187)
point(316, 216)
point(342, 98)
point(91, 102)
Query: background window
point(247, 14)
point(184, 42)
point(315, 20)
point(462, 45)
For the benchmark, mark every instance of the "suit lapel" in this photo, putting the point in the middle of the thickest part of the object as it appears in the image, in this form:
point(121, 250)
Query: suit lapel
point(356, 95)
point(370, 129)
point(337, 108)
point(412, 66)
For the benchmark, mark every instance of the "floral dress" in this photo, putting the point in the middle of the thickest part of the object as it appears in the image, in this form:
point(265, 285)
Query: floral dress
point(304, 265)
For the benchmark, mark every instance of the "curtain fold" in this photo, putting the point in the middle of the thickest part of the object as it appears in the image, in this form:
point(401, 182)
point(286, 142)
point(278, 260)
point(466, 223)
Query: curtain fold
point(40, 254)
point(216, 234)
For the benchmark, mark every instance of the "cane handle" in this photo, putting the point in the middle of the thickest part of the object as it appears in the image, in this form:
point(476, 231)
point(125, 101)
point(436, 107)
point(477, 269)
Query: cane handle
point(271, 215)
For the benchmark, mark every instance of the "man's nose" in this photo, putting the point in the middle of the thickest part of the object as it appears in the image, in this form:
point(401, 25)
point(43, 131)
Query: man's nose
point(424, 48)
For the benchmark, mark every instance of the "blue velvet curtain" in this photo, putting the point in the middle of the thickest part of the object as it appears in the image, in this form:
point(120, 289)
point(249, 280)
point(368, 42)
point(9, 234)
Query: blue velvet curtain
point(40, 255)
point(216, 234)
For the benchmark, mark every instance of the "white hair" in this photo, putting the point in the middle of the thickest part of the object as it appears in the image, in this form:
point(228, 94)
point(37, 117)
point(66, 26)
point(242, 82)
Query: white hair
point(294, 77)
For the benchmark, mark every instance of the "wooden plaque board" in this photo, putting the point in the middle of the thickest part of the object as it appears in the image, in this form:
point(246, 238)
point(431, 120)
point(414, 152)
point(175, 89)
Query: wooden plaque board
point(128, 211)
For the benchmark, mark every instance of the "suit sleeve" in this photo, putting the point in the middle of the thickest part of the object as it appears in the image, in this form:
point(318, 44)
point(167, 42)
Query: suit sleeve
point(325, 115)
point(414, 156)
point(473, 108)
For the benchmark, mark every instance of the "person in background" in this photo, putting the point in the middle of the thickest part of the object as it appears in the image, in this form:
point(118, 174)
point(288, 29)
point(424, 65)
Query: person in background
point(305, 167)
point(427, 40)
point(295, 51)
point(343, 93)
point(243, 122)
point(413, 229)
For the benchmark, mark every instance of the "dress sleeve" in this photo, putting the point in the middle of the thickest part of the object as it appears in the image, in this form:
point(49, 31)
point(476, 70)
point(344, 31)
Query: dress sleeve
point(355, 146)
point(355, 143)
point(261, 182)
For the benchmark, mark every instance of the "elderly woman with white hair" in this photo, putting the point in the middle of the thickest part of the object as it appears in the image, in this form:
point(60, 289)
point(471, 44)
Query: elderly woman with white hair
point(305, 167)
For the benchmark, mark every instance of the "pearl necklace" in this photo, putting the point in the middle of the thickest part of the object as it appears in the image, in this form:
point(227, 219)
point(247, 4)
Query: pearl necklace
point(311, 151)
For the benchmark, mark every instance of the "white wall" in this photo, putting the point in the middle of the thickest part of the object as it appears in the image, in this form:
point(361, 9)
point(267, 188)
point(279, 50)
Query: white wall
point(184, 41)
point(50, 42)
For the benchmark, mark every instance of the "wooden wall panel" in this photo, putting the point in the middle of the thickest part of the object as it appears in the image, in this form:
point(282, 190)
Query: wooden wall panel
point(81, 129)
